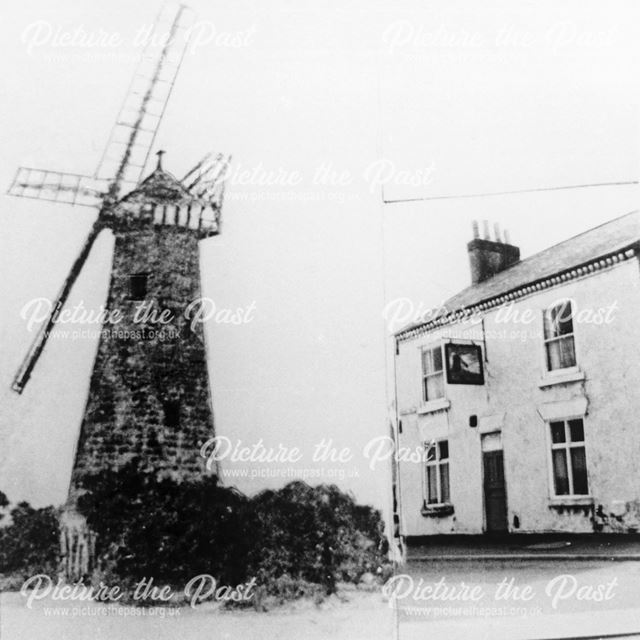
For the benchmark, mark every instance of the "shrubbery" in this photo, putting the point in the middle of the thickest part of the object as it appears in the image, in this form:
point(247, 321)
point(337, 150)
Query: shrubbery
point(29, 544)
point(317, 535)
point(163, 529)
point(298, 540)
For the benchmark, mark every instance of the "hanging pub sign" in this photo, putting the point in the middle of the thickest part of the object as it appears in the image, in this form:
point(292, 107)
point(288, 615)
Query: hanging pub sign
point(464, 363)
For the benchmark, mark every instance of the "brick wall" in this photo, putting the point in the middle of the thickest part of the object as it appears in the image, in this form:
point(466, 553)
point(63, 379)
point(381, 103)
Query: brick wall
point(136, 379)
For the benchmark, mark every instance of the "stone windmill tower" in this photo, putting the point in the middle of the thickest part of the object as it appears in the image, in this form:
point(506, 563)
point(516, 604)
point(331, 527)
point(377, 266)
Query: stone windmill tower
point(149, 395)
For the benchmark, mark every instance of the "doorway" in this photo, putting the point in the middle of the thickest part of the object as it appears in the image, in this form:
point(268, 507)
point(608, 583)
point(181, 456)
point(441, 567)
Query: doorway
point(495, 494)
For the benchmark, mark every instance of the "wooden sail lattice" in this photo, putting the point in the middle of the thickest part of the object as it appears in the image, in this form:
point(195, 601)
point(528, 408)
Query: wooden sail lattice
point(123, 163)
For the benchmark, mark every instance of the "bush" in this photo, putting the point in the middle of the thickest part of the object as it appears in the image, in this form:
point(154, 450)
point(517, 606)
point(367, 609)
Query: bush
point(296, 541)
point(315, 534)
point(30, 544)
point(150, 527)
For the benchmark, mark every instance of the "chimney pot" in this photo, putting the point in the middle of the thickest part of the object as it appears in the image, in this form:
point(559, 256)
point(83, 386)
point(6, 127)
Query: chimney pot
point(507, 239)
point(488, 257)
point(474, 226)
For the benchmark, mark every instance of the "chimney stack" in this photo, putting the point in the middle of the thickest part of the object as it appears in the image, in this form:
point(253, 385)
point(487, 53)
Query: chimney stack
point(488, 257)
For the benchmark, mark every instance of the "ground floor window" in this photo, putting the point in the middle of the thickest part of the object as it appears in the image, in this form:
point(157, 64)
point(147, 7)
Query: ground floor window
point(568, 458)
point(437, 473)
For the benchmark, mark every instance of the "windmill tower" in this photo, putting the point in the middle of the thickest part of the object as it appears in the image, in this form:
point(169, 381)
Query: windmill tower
point(149, 394)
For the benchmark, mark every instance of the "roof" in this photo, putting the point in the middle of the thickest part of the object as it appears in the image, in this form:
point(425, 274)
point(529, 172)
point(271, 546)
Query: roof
point(159, 187)
point(609, 238)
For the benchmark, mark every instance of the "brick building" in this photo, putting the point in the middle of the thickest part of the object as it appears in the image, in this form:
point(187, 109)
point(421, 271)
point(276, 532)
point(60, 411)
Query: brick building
point(522, 392)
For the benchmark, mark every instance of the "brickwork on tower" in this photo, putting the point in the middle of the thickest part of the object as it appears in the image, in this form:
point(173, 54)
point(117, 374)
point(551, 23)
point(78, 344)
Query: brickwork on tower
point(149, 395)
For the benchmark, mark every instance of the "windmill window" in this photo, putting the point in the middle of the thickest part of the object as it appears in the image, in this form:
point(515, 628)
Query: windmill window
point(138, 286)
point(171, 413)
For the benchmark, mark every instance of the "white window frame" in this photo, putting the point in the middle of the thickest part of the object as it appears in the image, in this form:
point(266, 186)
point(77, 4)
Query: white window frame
point(437, 463)
point(566, 446)
point(424, 375)
point(546, 341)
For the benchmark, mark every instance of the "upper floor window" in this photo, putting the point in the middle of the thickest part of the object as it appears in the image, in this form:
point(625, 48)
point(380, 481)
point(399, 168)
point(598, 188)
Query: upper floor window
point(138, 286)
point(558, 336)
point(171, 413)
point(568, 458)
point(432, 374)
point(437, 473)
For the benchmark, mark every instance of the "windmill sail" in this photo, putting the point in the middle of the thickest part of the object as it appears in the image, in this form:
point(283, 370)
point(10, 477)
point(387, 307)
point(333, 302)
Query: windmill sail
point(37, 346)
point(123, 160)
point(207, 179)
point(134, 132)
point(197, 169)
point(55, 186)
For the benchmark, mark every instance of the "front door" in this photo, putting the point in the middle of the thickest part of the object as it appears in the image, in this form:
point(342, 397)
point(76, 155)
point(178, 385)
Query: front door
point(495, 495)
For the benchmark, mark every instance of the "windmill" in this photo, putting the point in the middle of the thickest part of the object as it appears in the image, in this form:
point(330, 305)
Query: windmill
point(122, 163)
point(149, 396)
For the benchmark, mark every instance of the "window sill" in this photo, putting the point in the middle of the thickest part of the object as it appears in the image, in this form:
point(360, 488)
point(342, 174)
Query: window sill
point(437, 510)
point(561, 376)
point(570, 501)
point(441, 404)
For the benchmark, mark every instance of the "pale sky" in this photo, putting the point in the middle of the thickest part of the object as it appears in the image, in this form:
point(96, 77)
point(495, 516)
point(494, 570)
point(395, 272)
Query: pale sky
point(455, 97)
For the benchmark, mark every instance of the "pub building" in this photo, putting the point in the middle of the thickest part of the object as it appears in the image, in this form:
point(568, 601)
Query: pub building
point(522, 392)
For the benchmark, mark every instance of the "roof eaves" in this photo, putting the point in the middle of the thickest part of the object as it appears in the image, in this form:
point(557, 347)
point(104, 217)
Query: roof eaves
point(571, 273)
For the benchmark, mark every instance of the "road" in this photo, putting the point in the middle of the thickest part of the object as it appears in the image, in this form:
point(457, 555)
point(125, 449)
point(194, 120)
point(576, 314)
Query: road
point(521, 599)
point(355, 616)
point(454, 600)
